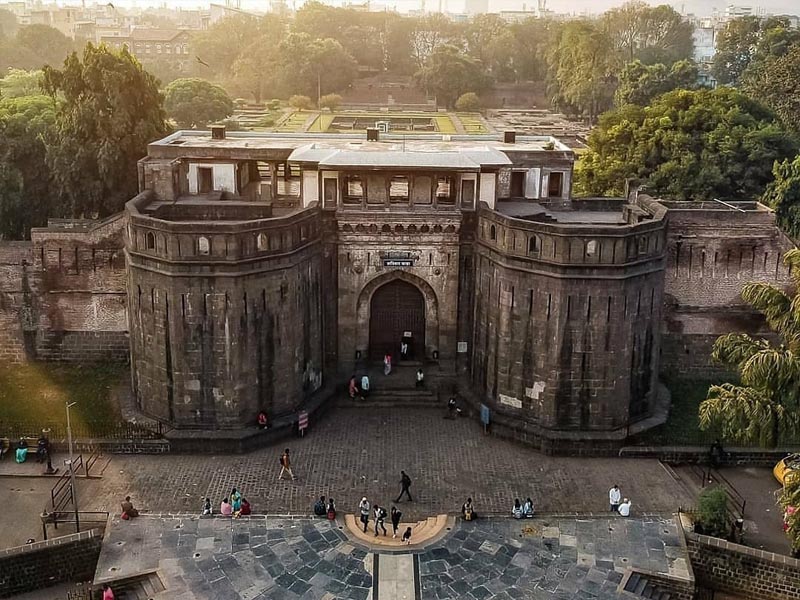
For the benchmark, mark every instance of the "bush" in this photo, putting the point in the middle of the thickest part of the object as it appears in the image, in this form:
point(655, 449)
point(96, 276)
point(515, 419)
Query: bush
point(468, 102)
point(266, 121)
point(240, 102)
point(231, 125)
point(300, 102)
point(712, 512)
point(330, 101)
point(273, 104)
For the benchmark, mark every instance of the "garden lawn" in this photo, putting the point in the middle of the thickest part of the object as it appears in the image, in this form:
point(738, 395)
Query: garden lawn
point(37, 393)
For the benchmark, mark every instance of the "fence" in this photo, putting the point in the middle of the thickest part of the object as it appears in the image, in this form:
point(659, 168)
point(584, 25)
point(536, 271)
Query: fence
point(106, 430)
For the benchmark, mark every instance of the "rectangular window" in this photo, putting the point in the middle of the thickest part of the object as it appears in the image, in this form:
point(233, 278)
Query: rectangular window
point(353, 190)
point(444, 190)
point(329, 191)
point(376, 189)
point(422, 189)
point(555, 184)
point(205, 180)
point(517, 184)
point(399, 189)
point(468, 193)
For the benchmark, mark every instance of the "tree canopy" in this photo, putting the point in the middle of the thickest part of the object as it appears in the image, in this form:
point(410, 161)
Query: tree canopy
point(108, 110)
point(775, 81)
point(34, 46)
point(690, 145)
point(651, 34)
point(765, 407)
point(783, 195)
point(193, 102)
point(640, 83)
point(449, 74)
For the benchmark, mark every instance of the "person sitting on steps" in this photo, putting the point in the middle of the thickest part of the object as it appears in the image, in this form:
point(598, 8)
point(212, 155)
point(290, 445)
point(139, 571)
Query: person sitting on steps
point(468, 511)
point(420, 378)
point(319, 507)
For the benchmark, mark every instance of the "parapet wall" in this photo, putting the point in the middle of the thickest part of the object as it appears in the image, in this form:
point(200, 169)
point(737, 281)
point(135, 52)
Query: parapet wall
point(62, 295)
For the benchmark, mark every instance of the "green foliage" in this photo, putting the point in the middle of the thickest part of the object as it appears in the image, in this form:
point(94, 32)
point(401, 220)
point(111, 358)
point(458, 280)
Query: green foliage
point(651, 34)
point(686, 145)
point(301, 102)
point(765, 408)
point(19, 82)
point(640, 83)
point(109, 109)
point(273, 105)
point(790, 501)
point(584, 69)
point(712, 511)
point(775, 81)
point(330, 101)
point(26, 196)
point(783, 195)
point(468, 102)
point(449, 74)
point(194, 102)
point(33, 47)
point(310, 65)
point(267, 121)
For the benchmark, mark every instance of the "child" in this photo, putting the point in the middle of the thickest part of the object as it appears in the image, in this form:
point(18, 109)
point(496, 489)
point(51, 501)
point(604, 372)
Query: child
point(207, 506)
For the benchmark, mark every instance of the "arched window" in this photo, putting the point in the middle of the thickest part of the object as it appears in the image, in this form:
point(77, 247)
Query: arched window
point(262, 241)
point(203, 245)
point(492, 233)
point(150, 241)
point(533, 244)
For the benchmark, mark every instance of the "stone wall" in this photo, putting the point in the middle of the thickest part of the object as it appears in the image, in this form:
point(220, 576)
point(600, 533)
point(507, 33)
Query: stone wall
point(742, 571)
point(224, 330)
point(70, 558)
point(567, 322)
point(62, 295)
point(712, 252)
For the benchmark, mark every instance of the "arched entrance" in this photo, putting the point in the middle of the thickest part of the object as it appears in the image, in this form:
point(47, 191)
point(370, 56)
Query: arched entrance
point(397, 312)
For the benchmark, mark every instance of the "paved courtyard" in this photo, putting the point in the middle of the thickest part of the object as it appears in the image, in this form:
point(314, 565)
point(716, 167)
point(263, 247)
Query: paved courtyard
point(360, 452)
point(257, 558)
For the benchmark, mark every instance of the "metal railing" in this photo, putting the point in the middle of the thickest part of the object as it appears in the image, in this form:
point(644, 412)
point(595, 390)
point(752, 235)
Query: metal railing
point(105, 430)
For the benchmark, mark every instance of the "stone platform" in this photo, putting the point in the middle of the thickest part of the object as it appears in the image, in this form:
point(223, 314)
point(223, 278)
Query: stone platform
point(423, 533)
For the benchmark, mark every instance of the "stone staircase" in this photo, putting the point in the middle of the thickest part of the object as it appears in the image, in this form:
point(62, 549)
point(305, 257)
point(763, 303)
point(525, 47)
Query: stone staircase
point(146, 586)
point(640, 586)
point(423, 532)
point(399, 397)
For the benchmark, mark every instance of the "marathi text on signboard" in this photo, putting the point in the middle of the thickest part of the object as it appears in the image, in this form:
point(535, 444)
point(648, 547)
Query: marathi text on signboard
point(398, 259)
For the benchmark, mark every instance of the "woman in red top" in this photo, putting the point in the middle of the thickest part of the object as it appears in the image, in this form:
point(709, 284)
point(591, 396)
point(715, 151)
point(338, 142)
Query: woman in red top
point(244, 510)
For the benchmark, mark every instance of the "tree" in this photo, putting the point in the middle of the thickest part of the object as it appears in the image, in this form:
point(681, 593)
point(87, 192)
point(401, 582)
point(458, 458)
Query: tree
point(449, 74)
point(775, 81)
point(48, 44)
point(790, 501)
point(783, 195)
point(640, 83)
point(19, 82)
point(534, 40)
point(712, 511)
point(196, 102)
point(490, 42)
point(583, 68)
point(330, 101)
point(222, 43)
point(736, 43)
point(109, 109)
point(652, 34)
point(251, 75)
point(301, 102)
point(686, 145)
point(765, 407)
point(314, 66)
point(26, 192)
point(468, 102)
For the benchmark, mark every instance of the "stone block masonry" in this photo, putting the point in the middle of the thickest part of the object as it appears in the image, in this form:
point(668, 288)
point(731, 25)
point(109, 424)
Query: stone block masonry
point(71, 558)
point(745, 572)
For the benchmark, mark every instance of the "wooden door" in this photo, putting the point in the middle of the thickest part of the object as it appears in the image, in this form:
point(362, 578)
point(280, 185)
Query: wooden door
point(396, 308)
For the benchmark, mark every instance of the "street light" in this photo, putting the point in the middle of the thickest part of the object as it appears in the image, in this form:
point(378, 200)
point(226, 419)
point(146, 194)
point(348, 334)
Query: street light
point(71, 468)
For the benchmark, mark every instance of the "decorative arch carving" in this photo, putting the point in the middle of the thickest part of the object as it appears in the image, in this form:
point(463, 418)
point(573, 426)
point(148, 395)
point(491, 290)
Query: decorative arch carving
point(431, 309)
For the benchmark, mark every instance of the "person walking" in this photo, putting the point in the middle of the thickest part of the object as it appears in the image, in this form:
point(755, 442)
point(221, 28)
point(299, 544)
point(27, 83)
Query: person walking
point(387, 364)
point(614, 496)
point(403, 350)
point(363, 508)
point(405, 483)
point(364, 385)
point(395, 516)
point(286, 465)
point(380, 519)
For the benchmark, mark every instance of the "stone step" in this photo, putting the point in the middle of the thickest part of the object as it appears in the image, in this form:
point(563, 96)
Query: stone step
point(422, 532)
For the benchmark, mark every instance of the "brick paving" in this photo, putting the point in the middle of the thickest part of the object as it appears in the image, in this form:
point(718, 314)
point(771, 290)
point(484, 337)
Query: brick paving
point(357, 452)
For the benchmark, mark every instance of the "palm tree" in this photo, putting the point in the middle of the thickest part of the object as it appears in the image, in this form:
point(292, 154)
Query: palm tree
point(766, 406)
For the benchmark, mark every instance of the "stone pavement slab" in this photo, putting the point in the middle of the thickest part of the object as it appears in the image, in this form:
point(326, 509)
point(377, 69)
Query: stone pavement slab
point(356, 452)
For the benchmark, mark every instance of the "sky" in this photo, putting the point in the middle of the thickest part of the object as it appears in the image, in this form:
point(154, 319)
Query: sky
point(698, 7)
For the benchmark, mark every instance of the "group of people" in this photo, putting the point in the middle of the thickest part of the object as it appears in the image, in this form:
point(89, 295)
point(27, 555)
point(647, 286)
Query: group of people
point(323, 508)
point(359, 388)
point(617, 503)
point(379, 515)
point(234, 505)
point(522, 510)
point(42, 449)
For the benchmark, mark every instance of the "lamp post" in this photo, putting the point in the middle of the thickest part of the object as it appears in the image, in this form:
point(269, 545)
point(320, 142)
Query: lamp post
point(72, 469)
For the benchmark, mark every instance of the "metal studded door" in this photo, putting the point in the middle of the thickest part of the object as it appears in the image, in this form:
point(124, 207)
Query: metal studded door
point(396, 308)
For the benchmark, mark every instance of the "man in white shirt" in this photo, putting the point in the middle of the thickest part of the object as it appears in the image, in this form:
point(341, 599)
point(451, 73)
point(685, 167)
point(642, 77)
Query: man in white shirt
point(625, 508)
point(614, 496)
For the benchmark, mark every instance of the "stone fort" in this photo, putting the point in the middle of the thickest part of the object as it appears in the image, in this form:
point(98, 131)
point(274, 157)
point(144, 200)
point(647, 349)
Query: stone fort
point(253, 269)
